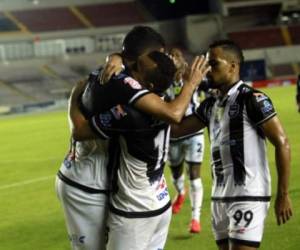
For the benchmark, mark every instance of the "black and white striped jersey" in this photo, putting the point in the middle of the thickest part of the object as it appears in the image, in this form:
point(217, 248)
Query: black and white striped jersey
point(172, 93)
point(144, 141)
point(238, 151)
point(121, 89)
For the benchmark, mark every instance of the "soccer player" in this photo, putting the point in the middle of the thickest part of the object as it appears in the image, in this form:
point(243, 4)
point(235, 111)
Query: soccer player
point(239, 119)
point(82, 183)
point(189, 149)
point(95, 98)
point(140, 210)
point(298, 93)
point(82, 188)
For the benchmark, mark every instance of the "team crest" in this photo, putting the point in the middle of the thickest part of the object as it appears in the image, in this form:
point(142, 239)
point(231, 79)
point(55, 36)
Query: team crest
point(133, 83)
point(260, 97)
point(233, 110)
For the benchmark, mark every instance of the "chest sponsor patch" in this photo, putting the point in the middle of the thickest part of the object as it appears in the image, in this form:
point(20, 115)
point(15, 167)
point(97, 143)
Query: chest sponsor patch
point(233, 110)
point(133, 83)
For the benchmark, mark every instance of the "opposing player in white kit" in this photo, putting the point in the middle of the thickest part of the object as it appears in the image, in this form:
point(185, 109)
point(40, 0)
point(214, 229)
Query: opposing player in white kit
point(189, 149)
point(239, 119)
point(82, 188)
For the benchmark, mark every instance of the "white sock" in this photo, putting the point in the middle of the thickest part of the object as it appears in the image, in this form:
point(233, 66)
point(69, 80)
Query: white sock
point(196, 197)
point(179, 184)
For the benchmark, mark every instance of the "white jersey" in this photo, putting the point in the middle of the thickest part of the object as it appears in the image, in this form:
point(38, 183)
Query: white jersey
point(89, 166)
point(238, 151)
point(141, 189)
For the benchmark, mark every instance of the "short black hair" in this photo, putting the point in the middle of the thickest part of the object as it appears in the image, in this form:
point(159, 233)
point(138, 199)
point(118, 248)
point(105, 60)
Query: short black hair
point(163, 75)
point(140, 39)
point(231, 46)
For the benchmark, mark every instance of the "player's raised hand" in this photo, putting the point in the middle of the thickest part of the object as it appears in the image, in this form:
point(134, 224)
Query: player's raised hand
point(79, 87)
point(113, 66)
point(197, 71)
point(283, 208)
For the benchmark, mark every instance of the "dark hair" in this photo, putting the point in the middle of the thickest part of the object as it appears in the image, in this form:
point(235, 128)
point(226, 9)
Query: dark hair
point(163, 75)
point(140, 39)
point(231, 47)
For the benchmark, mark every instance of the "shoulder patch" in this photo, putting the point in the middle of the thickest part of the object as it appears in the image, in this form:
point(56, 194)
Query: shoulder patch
point(133, 83)
point(260, 97)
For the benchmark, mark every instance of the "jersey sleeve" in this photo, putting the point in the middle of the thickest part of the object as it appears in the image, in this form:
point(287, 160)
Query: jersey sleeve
point(259, 107)
point(118, 120)
point(121, 89)
point(203, 112)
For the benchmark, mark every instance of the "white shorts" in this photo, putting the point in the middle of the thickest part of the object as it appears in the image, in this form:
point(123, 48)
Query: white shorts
point(239, 222)
point(85, 216)
point(191, 150)
point(138, 233)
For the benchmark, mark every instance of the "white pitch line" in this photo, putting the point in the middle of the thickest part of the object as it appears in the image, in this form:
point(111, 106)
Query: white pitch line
point(22, 183)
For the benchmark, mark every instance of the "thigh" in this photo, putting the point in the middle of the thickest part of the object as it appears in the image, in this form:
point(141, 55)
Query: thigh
point(176, 153)
point(85, 216)
point(129, 233)
point(220, 223)
point(159, 237)
point(194, 149)
point(247, 223)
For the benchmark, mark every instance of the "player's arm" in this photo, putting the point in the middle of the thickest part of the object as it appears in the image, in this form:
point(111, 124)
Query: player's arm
point(189, 125)
point(151, 103)
point(79, 126)
point(173, 111)
point(273, 130)
point(195, 122)
point(261, 111)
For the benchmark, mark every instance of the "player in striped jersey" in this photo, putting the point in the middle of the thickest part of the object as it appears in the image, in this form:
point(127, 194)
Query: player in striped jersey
point(239, 119)
point(141, 195)
point(188, 149)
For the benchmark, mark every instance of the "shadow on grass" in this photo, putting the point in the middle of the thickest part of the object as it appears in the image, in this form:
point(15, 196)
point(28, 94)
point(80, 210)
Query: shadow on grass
point(182, 237)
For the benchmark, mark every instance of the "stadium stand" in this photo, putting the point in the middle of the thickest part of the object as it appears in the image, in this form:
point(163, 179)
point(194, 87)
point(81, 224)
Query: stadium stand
point(51, 19)
point(258, 38)
point(113, 14)
point(6, 24)
point(295, 33)
point(281, 70)
point(60, 33)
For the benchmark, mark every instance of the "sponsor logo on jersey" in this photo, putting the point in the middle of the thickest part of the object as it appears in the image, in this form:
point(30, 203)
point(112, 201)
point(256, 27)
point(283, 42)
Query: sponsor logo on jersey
point(233, 110)
point(266, 107)
point(105, 119)
point(68, 160)
point(162, 195)
point(133, 83)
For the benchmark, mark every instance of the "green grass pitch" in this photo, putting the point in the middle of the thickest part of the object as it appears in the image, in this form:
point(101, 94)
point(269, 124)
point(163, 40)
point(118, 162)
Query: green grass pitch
point(33, 146)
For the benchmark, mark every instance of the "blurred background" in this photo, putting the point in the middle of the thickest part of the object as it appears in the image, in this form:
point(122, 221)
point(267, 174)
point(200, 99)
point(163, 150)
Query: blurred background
point(46, 46)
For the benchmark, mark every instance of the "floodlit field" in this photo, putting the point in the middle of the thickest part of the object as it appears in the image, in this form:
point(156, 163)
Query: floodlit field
point(32, 147)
